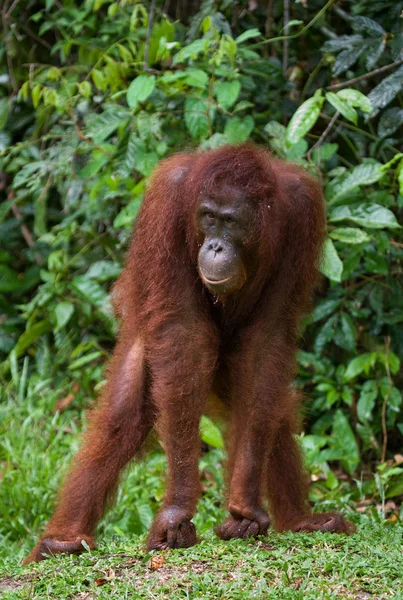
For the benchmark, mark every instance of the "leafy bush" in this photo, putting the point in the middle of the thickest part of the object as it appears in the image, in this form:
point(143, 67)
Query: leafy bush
point(93, 94)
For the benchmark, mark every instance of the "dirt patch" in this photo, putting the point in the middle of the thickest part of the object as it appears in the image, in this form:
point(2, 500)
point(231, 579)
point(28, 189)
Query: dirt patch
point(8, 584)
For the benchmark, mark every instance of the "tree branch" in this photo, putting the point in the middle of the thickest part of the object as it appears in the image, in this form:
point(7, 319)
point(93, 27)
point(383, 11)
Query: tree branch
point(338, 86)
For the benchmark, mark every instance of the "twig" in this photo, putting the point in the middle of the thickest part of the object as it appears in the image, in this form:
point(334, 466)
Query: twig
point(385, 401)
point(10, 10)
point(299, 33)
point(148, 38)
point(338, 86)
point(324, 135)
point(286, 41)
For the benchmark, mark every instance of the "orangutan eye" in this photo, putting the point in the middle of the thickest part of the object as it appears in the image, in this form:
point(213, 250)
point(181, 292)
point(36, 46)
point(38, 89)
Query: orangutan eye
point(209, 215)
point(229, 220)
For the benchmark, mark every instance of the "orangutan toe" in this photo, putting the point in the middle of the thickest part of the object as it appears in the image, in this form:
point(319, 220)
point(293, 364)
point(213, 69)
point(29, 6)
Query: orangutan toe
point(331, 522)
point(240, 528)
point(180, 536)
point(49, 546)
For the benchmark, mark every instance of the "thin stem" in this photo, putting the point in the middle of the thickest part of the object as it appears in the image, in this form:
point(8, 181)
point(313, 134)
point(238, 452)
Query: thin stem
point(280, 38)
point(324, 134)
point(349, 82)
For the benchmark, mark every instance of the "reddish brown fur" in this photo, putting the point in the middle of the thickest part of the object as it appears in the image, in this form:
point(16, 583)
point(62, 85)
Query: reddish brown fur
point(176, 345)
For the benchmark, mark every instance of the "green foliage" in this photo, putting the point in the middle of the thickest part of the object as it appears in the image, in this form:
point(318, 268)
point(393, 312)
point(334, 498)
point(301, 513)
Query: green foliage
point(87, 112)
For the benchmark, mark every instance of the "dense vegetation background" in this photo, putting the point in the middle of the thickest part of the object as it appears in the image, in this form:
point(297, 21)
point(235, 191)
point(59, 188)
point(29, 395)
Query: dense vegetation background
point(92, 95)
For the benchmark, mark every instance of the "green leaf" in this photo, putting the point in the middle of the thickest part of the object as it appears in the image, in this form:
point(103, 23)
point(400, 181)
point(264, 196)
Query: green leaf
point(324, 152)
point(331, 265)
point(238, 130)
point(355, 98)
point(247, 35)
point(366, 25)
point(190, 51)
point(63, 314)
point(360, 363)
point(196, 117)
point(373, 216)
point(210, 434)
point(342, 107)
point(349, 235)
point(366, 401)
point(344, 435)
point(196, 78)
point(364, 174)
point(324, 308)
point(304, 118)
point(103, 270)
point(390, 121)
point(30, 336)
point(227, 92)
point(4, 103)
point(90, 290)
point(386, 90)
point(9, 280)
point(297, 150)
point(84, 360)
point(140, 89)
point(346, 58)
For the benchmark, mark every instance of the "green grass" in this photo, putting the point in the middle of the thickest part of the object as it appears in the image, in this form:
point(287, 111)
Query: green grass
point(35, 449)
point(368, 564)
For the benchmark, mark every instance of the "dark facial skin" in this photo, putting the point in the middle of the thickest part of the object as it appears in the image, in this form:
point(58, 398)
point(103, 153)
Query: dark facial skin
point(224, 226)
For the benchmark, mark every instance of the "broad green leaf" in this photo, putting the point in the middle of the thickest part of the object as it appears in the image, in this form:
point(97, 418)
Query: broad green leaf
point(238, 130)
point(364, 174)
point(349, 235)
point(344, 436)
point(342, 107)
point(297, 150)
point(367, 25)
point(373, 216)
point(9, 280)
point(3, 111)
point(324, 308)
point(386, 90)
point(324, 152)
point(63, 313)
point(360, 363)
point(210, 434)
point(227, 92)
point(304, 118)
point(31, 335)
point(190, 51)
point(346, 333)
point(196, 78)
point(346, 58)
point(196, 117)
point(247, 35)
point(341, 42)
point(90, 290)
point(331, 265)
point(366, 401)
point(103, 270)
point(355, 98)
point(390, 121)
point(140, 89)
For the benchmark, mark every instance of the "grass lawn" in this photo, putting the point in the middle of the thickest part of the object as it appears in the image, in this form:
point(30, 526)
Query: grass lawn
point(36, 445)
point(368, 564)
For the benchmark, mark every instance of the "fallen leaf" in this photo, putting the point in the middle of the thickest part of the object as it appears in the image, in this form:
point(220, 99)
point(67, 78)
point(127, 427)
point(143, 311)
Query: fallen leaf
point(156, 562)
